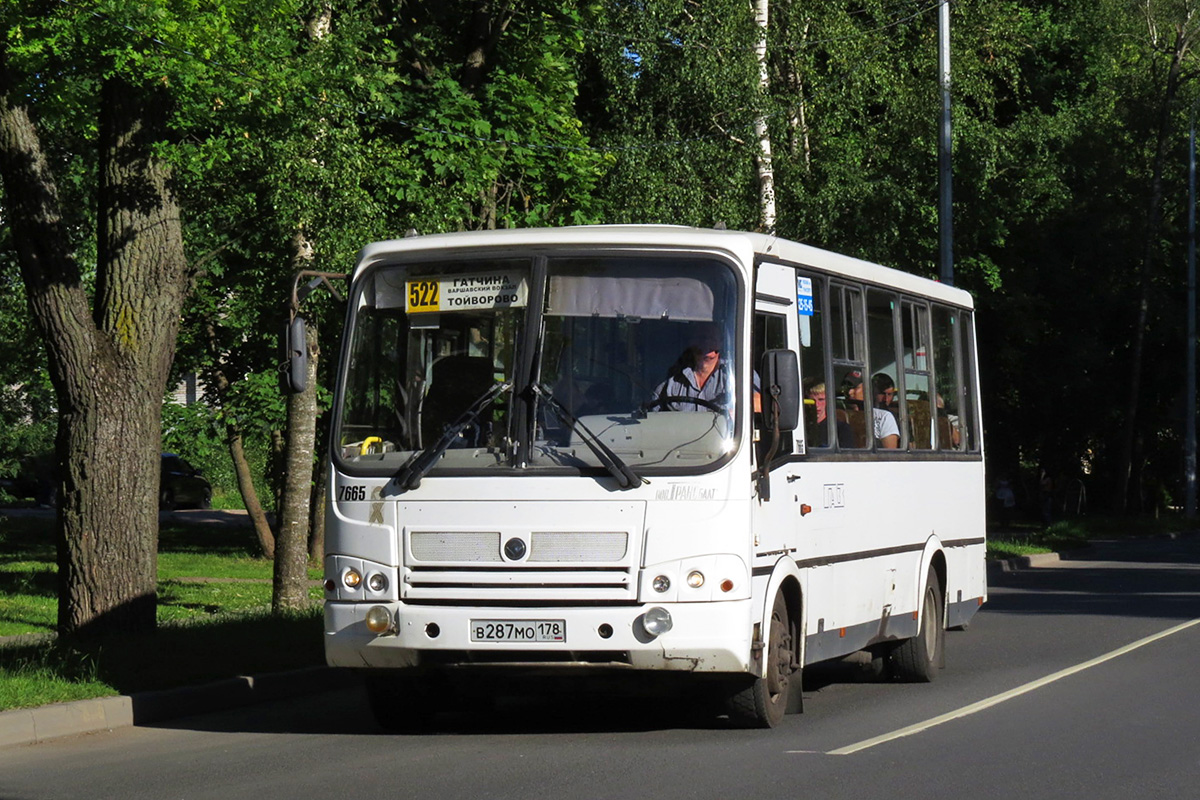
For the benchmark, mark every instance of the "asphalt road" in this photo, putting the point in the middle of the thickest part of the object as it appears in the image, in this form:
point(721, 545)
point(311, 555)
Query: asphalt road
point(1077, 680)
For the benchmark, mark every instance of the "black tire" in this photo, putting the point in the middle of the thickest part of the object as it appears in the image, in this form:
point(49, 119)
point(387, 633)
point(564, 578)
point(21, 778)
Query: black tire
point(764, 702)
point(918, 659)
point(205, 501)
point(399, 704)
point(166, 500)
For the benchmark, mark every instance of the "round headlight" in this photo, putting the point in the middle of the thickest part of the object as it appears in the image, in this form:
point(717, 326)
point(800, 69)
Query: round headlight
point(377, 582)
point(351, 578)
point(379, 619)
point(661, 583)
point(695, 579)
point(656, 621)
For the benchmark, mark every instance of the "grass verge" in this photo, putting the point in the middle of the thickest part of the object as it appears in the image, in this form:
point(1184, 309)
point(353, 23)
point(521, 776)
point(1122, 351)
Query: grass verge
point(1026, 539)
point(213, 612)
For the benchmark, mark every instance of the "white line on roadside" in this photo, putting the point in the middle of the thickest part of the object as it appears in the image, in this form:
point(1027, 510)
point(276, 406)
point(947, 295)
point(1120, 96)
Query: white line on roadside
point(1000, 698)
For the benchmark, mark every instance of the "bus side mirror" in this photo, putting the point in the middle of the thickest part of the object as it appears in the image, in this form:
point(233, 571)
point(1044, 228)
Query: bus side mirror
point(295, 370)
point(781, 388)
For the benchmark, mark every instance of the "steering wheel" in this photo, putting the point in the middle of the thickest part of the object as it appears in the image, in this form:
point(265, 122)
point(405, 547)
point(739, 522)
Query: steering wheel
point(667, 400)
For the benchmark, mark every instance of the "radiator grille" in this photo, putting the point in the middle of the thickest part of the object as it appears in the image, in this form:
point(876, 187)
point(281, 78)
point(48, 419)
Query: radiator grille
point(557, 566)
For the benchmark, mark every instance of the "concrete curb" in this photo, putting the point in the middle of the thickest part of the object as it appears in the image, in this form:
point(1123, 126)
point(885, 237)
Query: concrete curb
point(33, 725)
point(1018, 563)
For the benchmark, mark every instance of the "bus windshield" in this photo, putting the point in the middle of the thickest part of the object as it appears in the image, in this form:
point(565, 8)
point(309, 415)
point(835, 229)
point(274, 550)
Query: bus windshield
point(542, 363)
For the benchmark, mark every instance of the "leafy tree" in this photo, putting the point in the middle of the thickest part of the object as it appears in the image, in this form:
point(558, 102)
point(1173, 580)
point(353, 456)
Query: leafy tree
point(109, 350)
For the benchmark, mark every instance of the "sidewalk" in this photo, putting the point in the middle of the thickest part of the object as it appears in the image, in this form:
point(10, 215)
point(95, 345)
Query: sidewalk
point(33, 725)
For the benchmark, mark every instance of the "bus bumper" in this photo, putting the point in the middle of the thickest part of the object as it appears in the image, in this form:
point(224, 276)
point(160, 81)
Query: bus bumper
point(704, 637)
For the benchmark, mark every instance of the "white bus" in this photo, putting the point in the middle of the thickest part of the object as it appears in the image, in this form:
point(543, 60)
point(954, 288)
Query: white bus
point(604, 451)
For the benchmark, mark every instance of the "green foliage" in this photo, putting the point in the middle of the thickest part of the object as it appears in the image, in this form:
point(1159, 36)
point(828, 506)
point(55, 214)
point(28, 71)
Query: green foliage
point(454, 116)
point(195, 432)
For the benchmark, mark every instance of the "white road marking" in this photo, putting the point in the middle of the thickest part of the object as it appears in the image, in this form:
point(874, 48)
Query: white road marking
point(1003, 696)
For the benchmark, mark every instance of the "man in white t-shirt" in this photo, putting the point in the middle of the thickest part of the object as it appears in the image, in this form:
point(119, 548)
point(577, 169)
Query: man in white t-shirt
point(887, 432)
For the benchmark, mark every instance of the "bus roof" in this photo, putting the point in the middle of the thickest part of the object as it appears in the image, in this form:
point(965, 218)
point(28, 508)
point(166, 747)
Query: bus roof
point(742, 243)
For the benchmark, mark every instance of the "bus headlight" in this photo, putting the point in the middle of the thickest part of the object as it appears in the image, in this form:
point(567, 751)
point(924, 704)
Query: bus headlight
point(379, 620)
point(661, 583)
point(657, 621)
point(377, 582)
point(695, 579)
point(352, 578)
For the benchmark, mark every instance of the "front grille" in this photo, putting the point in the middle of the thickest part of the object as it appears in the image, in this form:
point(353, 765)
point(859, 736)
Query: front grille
point(559, 566)
point(473, 546)
point(546, 546)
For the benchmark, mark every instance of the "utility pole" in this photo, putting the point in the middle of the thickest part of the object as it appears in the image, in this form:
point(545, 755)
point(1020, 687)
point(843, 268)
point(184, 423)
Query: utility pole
point(945, 181)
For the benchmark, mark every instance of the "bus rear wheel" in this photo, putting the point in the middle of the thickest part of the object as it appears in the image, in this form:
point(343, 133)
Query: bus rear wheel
point(764, 702)
point(918, 659)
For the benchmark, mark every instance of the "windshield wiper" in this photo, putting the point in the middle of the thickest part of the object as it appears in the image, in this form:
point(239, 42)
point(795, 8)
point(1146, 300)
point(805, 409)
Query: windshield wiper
point(626, 477)
point(409, 476)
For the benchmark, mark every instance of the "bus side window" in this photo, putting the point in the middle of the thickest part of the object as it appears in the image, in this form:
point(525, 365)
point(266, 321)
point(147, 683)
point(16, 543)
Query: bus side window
point(849, 361)
point(886, 383)
point(951, 375)
point(914, 327)
point(770, 333)
point(819, 397)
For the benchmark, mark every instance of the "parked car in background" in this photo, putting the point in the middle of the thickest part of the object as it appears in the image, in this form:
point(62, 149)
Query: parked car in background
point(34, 479)
point(182, 485)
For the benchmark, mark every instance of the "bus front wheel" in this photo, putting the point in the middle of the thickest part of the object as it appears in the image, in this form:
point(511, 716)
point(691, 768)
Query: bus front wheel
point(764, 702)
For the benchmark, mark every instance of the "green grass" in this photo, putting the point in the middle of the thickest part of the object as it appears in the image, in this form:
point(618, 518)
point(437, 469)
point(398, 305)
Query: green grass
point(1075, 533)
point(179, 653)
point(214, 617)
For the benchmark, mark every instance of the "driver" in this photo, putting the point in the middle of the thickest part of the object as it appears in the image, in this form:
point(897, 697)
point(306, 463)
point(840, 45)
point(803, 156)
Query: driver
point(698, 373)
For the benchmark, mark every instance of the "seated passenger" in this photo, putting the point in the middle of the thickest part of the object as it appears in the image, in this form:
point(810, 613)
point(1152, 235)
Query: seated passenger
point(815, 394)
point(885, 393)
point(887, 432)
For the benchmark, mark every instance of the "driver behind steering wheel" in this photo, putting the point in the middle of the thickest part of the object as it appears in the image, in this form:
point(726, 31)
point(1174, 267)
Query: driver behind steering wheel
point(698, 373)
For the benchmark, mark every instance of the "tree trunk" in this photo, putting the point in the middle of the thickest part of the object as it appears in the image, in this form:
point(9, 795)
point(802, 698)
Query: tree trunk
point(485, 30)
point(1150, 247)
point(109, 363)
point(291, 543)
point(766, 172)
point(237, 454)
point(258, 517)
point(316, 537)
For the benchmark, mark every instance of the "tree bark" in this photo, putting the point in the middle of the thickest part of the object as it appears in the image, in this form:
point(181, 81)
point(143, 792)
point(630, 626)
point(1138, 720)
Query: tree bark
point(245, 479)
point(1150, 247)
point(109, 360)
point(291, 543)
point(766, 171)
point(316, 537)
point(237, 454)
point(487, 26)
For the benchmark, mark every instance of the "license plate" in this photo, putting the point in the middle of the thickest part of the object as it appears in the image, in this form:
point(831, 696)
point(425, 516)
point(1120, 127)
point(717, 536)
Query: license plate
point(518, 630)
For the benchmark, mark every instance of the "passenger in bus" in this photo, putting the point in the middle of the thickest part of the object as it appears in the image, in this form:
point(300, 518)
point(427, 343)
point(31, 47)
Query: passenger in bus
point(887, 432)
point(885, 393)
point(819, 431)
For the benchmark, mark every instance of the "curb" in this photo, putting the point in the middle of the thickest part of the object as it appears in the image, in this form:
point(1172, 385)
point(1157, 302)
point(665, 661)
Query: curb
point(1017, 563)
point(33, 725)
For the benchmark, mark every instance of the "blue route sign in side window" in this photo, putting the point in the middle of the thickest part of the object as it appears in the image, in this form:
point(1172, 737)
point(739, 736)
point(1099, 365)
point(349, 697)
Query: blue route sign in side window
point(804, 296)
